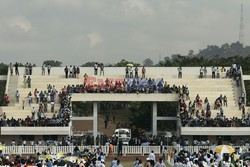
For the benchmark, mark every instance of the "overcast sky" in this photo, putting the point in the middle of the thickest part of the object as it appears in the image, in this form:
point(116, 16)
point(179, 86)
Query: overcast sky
point(77, 31)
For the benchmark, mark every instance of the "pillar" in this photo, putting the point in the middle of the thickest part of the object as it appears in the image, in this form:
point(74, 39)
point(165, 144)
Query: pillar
point(95, 120)
point(154, 118)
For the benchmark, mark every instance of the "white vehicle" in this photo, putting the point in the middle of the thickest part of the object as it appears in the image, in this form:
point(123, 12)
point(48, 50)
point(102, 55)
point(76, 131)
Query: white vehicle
point(123, 135)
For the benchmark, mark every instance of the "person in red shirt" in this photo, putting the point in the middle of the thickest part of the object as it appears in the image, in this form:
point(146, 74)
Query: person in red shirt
point(143, 71)
point(6, 99)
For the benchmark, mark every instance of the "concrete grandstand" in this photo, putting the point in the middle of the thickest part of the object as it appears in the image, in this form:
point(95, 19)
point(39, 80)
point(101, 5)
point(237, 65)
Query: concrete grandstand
point(205, 87)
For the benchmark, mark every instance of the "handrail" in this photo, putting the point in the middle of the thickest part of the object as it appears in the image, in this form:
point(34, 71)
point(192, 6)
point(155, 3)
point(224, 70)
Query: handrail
point(126, 150)
point(243, 86)
point(7, 81)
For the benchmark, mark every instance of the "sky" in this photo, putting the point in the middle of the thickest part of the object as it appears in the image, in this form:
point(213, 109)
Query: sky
point(78, 31)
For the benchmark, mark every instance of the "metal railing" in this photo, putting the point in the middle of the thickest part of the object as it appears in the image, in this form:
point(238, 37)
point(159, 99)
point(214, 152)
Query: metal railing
point(243, 86)
point(7, 81)
point(126, 150)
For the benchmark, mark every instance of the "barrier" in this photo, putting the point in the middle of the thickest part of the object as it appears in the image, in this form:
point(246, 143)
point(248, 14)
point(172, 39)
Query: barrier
point(243, 86)
point(7, 81)
point(127, 150)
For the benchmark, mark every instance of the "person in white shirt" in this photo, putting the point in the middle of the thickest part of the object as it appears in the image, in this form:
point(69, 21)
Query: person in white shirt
point(151, 158)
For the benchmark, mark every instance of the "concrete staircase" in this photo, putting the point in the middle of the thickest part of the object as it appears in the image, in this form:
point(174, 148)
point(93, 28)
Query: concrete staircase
point(12, 88)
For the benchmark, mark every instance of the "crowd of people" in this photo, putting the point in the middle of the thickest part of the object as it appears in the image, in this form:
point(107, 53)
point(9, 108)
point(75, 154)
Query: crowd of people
point(96, 157)
point(78, 158)
point(126, 86)
point(38, 118)
point(205, 157)
point(218, 121)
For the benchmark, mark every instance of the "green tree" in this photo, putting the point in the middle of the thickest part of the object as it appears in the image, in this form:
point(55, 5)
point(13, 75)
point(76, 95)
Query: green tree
point(148, 62)
point(3, 69)
point(53, 63)
point(89, 64)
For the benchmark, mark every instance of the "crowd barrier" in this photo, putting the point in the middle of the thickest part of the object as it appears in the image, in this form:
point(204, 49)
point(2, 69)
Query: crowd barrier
point(127, 150)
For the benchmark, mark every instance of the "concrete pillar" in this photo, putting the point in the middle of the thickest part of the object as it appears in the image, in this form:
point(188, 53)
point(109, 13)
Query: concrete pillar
point(154, 118)
point(95, 120)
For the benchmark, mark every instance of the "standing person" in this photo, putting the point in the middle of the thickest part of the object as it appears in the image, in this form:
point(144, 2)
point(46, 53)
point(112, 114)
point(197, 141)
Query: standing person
point(120, 148)
point(243, 97)
point(29, 82)
point(243, 110)
point(52, 109)
point(225, 100)
point(30, 69)
point(201, 72)
point(205, 72)
point(131, 72)
point(111, 150)
point(17, 96)
point(66, 70)
point(48, 68)
point(217, 72)
point(126, 72)
point(27, 72)
point(43, 69)
point(143, 72)
point(24, 81)
point(179, 72)
point(221, 111)
point(30, 99)
point(136, 72)
point(164, 153)
point(74, 72)
point(213, 72)
point(6, 99)
point(85, 79)
point(101, 69)
point(95, 69)
point(11, 69)
point(151, 158)
point(16, 68)
point(240, 102)
point(78, 71)
point(70, 71)
point(23, 104)
point(33, 111)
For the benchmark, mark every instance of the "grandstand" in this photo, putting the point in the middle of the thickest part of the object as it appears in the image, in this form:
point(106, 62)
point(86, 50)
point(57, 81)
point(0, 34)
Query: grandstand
point(205, 87)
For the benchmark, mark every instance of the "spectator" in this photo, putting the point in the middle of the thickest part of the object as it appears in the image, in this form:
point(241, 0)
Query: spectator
point(179, 72)
point(95, 69)
point(17, 96)
point(11, 69)
point(6, 99)
point(101, 69)
point(66, 70)
point(16, 68)
point(43, 69)
point(143, 71)
point(48, 68)
point(151, 158)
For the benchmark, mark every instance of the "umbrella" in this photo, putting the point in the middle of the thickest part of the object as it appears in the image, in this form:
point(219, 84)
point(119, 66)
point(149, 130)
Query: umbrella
point(44, 157)
point(59, 155)
point(72, 159)
point(224, 149)
point(2, 147)
point(130, 65)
